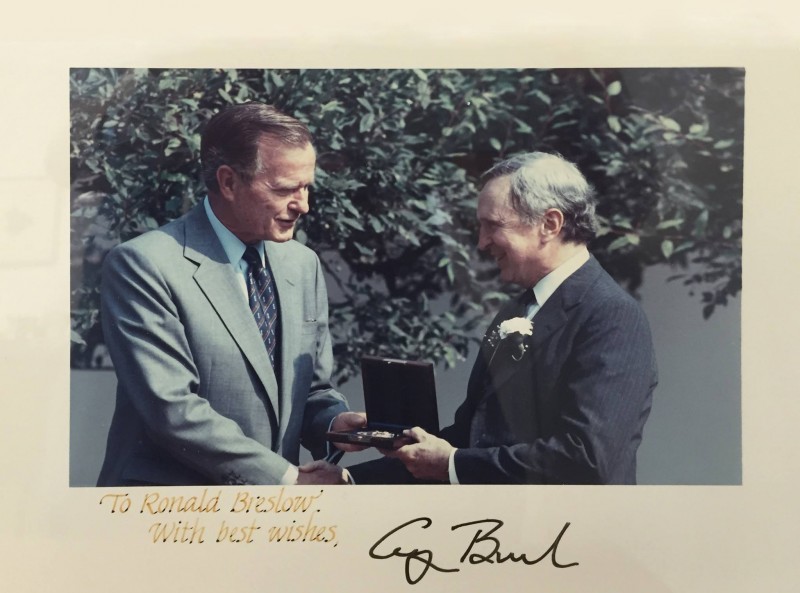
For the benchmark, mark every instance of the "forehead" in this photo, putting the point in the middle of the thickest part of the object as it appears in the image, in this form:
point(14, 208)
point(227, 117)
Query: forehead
point(493, 200)
point(281, 158)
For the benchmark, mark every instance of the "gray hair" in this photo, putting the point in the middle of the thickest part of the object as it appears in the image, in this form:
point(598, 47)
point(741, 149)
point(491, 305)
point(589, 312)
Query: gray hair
point(232, 138)
point(540, 181)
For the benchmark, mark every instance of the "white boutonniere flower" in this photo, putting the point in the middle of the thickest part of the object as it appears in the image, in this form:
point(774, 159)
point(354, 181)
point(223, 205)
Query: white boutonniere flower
point(517, 325)
point(514, 329)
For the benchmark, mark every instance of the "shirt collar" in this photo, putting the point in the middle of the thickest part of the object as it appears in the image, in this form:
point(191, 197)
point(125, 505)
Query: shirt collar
point(544, 289)
point(233, 247)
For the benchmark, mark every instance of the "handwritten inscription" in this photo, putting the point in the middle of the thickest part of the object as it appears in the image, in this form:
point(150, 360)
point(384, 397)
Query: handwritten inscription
point(155, 503)
point(251, 518)
point(484, 547)
point(244, 502)
point(178, 532)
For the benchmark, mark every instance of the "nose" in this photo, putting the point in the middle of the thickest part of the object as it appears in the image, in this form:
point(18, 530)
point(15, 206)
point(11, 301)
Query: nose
point(299, 201)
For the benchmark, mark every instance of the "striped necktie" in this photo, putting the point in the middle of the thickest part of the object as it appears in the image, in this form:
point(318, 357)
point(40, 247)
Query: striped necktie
point(262, 298)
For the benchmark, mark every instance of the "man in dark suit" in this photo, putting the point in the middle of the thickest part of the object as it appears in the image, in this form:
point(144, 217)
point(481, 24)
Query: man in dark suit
point(217, 324)
point(562, 384)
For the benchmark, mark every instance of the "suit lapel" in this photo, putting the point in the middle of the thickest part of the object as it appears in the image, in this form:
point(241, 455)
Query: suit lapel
point(492, 368)
point(504, 367)
point(289, 296)
point(551, 316)
point(546, 321)
point(217, 279)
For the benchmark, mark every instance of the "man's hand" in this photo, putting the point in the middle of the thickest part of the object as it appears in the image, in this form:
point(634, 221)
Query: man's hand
point(347, 421)
point(427, 458)
point(321, 472)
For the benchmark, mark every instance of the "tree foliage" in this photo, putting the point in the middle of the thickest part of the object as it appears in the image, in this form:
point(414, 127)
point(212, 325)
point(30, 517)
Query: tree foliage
point(399, 154)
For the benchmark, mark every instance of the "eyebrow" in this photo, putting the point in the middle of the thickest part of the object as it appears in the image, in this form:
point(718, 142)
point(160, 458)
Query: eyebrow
point(286, 186)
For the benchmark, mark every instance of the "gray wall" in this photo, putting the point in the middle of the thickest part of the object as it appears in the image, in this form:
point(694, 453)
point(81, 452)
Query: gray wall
point(693, 435)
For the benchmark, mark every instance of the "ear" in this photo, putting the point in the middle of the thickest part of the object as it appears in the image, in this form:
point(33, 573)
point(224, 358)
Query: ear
point(227, 179)
point(552, 222)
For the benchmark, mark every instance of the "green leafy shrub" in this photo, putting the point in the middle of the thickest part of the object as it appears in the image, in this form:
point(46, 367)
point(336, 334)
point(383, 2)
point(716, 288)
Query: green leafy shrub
point(399, 154)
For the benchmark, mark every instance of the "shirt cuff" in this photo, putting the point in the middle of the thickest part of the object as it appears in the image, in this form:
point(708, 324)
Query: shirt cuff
point(451, 467)
point(291, 475)
point(331, 447)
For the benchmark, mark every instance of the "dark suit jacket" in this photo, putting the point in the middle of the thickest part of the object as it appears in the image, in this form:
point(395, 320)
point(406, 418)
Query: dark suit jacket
point(197, 400)
point(572, 410)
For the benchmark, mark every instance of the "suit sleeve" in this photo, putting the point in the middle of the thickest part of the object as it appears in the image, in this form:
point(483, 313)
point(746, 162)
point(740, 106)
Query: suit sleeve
point(324, 403)
point(604, 391)
point(148, 345)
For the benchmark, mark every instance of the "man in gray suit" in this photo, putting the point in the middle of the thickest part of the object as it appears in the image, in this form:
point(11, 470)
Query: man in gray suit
point(217, 324)
point(562, 385)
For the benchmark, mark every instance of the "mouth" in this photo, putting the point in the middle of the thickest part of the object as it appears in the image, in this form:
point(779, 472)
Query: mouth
point(286, 223)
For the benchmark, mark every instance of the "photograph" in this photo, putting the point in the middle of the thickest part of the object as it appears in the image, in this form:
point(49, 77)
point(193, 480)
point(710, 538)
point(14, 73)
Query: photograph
point(425, 297)
point(420, 207)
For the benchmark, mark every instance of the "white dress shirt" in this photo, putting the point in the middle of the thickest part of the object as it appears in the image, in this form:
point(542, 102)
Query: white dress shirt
point(233, 246)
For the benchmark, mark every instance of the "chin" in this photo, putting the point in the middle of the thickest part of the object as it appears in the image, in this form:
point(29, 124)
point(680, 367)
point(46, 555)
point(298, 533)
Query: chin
point(511, 279)
point(281, 236)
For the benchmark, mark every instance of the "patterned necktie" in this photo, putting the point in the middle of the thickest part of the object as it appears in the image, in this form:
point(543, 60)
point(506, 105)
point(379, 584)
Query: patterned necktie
point(261, 295)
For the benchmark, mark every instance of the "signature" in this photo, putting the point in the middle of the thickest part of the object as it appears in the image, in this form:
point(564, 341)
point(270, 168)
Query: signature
point(484, 547)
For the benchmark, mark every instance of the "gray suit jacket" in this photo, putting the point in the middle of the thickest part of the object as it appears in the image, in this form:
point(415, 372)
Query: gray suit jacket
point(573, 409)
point(197, 400)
